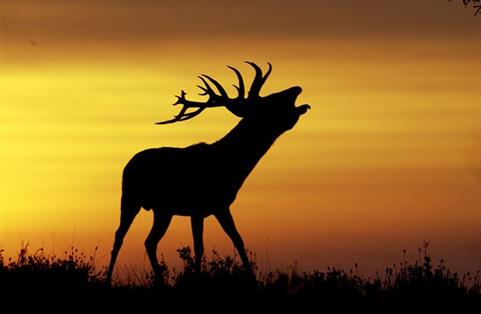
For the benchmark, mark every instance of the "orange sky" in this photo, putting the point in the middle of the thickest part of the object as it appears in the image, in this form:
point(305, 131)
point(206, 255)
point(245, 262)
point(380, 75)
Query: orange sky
point(386, 158)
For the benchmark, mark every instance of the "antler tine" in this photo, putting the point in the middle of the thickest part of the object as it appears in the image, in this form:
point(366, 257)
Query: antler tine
point(221, 89)
point(264, 78)
point(181, 113)
point(259, 79)
point(190, 115)
point(181, 98)
point(183, 116)
point(207, 89)
point(240, 88)
point(203, 89)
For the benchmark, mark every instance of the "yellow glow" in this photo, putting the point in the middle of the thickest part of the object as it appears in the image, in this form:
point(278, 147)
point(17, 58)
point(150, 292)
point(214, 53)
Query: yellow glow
point(385, 153)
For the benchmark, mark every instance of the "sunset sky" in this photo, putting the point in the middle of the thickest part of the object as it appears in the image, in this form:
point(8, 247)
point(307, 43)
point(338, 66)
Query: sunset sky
point(388, 157)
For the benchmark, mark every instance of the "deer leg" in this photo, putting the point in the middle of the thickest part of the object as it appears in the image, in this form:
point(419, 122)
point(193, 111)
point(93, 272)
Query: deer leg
point(127, 215)
point(161, 223)
point(227, 223)
point(197, 231)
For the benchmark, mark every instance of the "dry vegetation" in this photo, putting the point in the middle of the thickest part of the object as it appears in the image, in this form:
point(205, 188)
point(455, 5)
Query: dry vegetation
point(223, 281)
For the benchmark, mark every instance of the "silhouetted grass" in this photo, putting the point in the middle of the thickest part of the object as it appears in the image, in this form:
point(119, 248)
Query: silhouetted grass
point(40, 271)
point(223, 280)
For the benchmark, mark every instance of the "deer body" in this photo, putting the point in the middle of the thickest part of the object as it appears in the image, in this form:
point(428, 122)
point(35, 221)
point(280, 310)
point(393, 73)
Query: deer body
point(198, 179)
point(203, 179)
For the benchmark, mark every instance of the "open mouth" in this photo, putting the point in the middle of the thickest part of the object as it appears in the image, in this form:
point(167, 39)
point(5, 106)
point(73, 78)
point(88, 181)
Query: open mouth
point(302, 109)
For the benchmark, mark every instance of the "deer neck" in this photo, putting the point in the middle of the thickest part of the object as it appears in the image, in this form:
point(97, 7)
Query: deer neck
point(245, 145)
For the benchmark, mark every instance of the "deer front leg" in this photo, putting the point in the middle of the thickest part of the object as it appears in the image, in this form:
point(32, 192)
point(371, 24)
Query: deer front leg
point(198, 231)
point(227, 223)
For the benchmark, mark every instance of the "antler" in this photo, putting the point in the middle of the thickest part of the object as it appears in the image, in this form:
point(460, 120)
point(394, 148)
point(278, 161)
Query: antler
point(239, 106)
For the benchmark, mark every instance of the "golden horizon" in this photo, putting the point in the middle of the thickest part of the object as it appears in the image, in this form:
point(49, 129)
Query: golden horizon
point(386, 158)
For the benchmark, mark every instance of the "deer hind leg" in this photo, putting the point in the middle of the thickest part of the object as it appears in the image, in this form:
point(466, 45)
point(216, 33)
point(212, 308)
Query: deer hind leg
point(197, 231)
point(161, 223)
point(227, 223)
point(127, 215)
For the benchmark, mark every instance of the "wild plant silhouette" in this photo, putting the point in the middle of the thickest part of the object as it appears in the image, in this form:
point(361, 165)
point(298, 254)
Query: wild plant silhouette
point(222, 281)
point(39, 270)
point(203, 179)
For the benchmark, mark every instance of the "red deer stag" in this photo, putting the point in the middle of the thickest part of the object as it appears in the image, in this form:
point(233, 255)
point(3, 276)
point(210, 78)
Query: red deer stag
point(203, 179)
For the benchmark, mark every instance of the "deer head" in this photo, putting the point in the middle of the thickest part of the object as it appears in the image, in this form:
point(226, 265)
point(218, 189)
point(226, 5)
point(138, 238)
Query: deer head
point(278, 109)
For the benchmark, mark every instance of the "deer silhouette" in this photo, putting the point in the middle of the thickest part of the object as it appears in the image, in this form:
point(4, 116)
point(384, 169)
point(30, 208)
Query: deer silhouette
point(203, 179)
